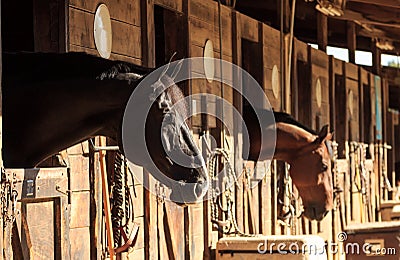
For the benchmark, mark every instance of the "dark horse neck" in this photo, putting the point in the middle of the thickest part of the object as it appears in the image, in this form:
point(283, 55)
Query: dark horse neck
point(291, 136)
point(60, 100)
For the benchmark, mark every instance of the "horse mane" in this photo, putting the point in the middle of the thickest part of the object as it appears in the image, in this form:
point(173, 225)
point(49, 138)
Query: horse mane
point(38, 66)
point(282, 117)
point(123, 67)
point(286, 118)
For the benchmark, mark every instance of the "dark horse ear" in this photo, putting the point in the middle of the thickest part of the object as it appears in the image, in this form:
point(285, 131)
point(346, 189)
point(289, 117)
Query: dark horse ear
point(177, 69)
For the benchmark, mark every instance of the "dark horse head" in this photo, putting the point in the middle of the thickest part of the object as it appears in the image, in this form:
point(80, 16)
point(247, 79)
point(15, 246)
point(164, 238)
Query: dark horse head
point(165, 126)
point(53, 101)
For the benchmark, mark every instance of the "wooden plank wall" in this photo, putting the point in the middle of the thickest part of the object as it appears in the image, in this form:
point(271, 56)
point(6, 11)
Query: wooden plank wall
point(125, 23)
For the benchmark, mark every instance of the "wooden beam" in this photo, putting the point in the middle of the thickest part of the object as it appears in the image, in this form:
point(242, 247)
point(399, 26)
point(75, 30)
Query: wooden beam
point(351, 41)
point(387, 3)
point(322, 31)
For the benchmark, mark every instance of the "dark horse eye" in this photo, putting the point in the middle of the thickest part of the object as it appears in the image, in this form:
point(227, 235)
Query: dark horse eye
point(324, 167)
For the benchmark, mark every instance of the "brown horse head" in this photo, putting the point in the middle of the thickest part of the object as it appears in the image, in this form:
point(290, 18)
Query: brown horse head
point(310, 170)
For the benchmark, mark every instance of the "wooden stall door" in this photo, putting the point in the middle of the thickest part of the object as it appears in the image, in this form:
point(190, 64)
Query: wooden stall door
point(43, 220)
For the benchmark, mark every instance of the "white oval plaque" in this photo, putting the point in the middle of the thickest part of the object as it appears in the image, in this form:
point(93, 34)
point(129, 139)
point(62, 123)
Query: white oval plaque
point(102, 31)
point(275, 81)
point(209, 63)
point(350, 103)
point(318, 93)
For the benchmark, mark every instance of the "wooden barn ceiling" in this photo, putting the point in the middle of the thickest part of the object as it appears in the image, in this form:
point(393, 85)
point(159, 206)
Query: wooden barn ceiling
point(374, 19)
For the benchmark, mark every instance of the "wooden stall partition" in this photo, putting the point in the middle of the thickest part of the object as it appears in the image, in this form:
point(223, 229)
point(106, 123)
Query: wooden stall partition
point(352, 122)
point(301, 105)
point(254, 44)
point(319, 88)
point(238, 104)
point(251, 61)
point(211, 24)
point(167, 226)
point(272, 85)
point(272, 66)
point(338, 220)
point(320, 116)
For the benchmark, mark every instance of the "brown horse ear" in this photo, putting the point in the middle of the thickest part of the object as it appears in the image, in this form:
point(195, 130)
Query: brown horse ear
point(323, 134)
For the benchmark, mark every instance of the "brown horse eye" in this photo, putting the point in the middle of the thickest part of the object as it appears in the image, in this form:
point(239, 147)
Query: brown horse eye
point(324, 167)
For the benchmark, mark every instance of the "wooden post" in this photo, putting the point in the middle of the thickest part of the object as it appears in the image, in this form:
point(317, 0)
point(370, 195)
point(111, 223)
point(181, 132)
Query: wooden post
point(351, 40)
point(361, 103)
point(332, 115)
point(148, 35)
point(376, 58)
point(1, 132)
point(322, 31)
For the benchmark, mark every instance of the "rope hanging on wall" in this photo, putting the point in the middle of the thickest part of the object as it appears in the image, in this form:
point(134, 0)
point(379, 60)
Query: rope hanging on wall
point(223, 190)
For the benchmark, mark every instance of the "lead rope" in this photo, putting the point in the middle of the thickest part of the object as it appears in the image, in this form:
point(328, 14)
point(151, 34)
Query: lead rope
point(122, 205)
point(215, 193)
